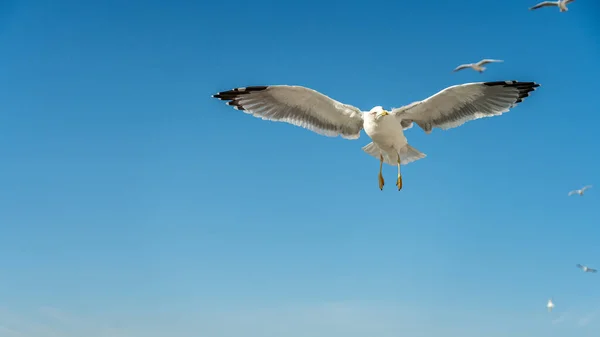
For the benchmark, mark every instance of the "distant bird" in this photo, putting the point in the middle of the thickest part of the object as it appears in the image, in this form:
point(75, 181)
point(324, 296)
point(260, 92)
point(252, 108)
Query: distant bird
point(580, 191)
point(310, 109)
point(550, 305)
point(477, 66)
point(561, 4)
point(586, 269)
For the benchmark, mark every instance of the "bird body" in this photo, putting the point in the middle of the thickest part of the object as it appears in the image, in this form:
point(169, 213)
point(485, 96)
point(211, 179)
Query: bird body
point(384, 129)
point(387, 135)
point(477, 66)
point(550, 305)
point(310, 109)
point(561, 4)
point(388, 141)
point(581, 191)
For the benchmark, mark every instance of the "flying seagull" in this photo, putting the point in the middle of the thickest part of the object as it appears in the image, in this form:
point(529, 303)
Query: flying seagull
point(586, 269)
point(580, 191)
point(550, 305)
point(476, 66)
point(312, 110)
point(561, 4)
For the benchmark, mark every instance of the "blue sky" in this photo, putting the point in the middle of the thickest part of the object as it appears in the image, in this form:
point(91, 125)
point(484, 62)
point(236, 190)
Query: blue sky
point(134, 204)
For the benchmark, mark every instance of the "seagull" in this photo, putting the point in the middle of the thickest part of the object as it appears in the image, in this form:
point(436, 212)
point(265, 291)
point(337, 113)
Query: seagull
point(580, 191)
point(550, 305)
point(477, 66)
point(586, 269)
point(561, 4)
point(310, 109)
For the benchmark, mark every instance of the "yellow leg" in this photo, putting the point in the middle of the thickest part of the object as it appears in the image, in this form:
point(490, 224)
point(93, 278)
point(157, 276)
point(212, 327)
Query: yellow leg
point(399, 181)
point(380, 173)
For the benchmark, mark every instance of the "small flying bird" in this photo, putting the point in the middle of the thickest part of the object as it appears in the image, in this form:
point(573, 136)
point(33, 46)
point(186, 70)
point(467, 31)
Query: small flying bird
point(561, 4)
point(586, 269)
point(580, 191)
point(477, 66)
point(550, 305)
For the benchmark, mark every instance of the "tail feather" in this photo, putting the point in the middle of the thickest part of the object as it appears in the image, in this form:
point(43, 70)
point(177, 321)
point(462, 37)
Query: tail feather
point(373, 150)
point(408, 154)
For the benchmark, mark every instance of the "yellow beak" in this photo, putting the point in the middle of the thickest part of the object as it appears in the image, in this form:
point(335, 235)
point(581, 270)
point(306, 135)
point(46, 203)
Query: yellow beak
point(384, 113)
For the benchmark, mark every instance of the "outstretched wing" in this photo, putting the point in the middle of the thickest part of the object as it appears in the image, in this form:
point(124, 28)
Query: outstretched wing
point(573, 192)
point(579, 266)
point(299, 106)
point(568, 2)
point(459, 104)
point(486, 61)
point(461, 67)
point(543, 4)
point(586, 188)
point(592, 270)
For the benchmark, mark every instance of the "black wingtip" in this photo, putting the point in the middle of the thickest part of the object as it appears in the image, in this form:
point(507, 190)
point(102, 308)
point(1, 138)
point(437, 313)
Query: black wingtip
point(233, 95)
point(236, 92)
point(512, 83)
point(525, 88)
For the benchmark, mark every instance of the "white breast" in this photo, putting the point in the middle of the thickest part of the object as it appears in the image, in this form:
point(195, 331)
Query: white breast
point(385, 131)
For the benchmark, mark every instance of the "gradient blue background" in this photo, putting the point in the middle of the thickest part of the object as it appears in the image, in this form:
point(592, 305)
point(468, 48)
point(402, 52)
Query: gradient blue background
point(132, 201)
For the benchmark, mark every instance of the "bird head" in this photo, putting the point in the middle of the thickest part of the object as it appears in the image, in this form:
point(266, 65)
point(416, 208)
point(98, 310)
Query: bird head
point(378, 112)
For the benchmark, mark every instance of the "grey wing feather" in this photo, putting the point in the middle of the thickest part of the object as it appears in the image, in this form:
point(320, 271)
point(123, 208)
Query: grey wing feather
point(299, 106)
point(462, 66)
point(543, 4)
point(486, 61)
point(459, 104)
point(406, 124)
